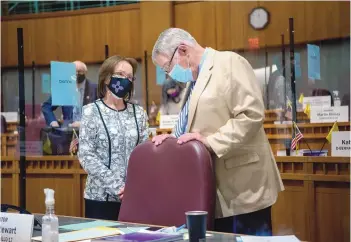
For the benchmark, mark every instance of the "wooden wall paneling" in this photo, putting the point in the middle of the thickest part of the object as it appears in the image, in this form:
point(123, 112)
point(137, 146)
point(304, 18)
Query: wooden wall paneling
point(322, 20)
point(344, 18)
point(332, 224)
point(289, 212)
point(239, 24)
point(155, 18)
point(123, 33)
point(49, 35)
point(6, 188)
point(198, 18)
point(223, 25)
point(280, 12)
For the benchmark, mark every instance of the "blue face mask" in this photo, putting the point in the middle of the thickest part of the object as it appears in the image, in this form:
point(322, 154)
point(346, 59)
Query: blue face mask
point(181, 74)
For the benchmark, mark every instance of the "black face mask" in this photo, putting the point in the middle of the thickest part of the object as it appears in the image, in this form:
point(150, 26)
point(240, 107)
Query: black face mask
point(80, 78)
point(120, 86)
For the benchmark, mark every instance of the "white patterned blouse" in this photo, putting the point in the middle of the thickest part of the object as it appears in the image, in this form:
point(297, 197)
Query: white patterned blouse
point(105, 145)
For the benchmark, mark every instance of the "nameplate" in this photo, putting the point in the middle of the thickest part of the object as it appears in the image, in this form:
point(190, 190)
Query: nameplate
point(16, 227)
point(329, 114)
point(320, 101)
point(168, 121)
point(341, 144)
point(10, 116)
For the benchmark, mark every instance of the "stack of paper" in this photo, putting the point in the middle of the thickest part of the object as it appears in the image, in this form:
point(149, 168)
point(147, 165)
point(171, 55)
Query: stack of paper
point(287, 238)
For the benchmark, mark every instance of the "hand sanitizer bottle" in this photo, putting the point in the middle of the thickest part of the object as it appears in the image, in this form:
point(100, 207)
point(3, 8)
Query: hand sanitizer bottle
point(50, 220)
point(337, 101)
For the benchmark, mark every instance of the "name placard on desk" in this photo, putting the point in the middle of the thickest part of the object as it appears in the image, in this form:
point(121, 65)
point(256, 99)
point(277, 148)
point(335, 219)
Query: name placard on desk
point(320, 101)
point(341, 145)
point(168, 121)
point(329, 114)
point(16, 227)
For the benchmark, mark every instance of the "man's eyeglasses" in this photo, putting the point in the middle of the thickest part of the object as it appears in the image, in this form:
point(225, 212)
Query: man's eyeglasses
point(167, 68)
point(123, 75)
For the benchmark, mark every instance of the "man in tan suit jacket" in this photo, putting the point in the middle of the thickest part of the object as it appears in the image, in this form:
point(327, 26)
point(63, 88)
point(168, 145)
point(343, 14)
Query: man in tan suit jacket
point(223, 108)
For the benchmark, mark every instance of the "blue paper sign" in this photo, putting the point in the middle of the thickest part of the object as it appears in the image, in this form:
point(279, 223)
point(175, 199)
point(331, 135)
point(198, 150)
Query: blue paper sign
point(63, 84)
point(314, 62)
point(160, 76)
point(297, 65)
point(45, 83)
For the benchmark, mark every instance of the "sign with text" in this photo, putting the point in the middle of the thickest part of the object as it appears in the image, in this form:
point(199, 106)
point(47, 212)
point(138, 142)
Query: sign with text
point(31, 148)
point(329, 114)
point(63, 84)
point(16, 227)
point(168, 121)
point(314, 62)
point(10, 116)
point(297, 65)
point(320, 101)
point(341, 144)
point(45, 83)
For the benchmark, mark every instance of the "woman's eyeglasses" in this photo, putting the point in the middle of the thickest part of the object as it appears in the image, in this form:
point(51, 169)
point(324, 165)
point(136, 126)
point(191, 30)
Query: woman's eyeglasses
point(123, 75)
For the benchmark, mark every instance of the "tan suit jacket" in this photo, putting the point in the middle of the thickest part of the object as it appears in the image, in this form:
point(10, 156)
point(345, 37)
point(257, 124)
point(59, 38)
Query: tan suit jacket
point(226, 106)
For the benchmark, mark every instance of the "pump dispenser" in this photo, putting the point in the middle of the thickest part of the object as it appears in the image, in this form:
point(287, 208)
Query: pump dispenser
point(50, 220)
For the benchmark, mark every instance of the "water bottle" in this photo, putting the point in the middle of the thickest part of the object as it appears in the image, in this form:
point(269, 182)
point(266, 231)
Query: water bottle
point(50, 220)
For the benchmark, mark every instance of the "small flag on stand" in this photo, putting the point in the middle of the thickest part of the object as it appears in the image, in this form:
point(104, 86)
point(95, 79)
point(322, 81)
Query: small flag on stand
point(333, 129)
point(307, 110)
point(297, 137)
point(74, 143)
point(301, 98)
point(47, 146)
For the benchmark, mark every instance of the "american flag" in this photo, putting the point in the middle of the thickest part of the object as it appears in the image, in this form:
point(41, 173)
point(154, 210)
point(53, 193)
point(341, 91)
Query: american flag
point(297, 137)
point(74, 142)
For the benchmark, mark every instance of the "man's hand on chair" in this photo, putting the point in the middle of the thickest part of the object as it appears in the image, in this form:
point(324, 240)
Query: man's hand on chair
point(193, 136)
point(160, 138)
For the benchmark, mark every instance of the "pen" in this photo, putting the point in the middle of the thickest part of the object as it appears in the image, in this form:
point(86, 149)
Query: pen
point(181, 227)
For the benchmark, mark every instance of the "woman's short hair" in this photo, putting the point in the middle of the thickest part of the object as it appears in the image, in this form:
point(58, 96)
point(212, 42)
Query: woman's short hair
point(107, 70)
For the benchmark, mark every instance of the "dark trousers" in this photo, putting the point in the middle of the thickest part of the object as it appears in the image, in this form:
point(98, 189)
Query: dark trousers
point(102, 210)
point(256, 223)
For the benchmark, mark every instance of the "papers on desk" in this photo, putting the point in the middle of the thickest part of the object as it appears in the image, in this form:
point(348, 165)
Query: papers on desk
point(85, 234)
point(89, 225)
point(287, 238)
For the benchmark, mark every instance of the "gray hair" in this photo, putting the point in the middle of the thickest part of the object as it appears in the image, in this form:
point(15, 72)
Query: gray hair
point(169, 40)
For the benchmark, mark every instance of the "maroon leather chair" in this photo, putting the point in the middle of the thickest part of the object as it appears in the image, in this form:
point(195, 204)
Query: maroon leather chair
point(166, 181)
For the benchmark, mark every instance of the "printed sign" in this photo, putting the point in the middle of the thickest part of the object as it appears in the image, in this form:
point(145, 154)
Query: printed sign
point(168, 121)
point(45, 83)
point(341, 144)
point(297, 65)
point(320, 101)
point(160, 76)
point(63, 84)
point(16, 227)
point(329, 114)
point(314, 62)
point(10, 116)
point(31, 148)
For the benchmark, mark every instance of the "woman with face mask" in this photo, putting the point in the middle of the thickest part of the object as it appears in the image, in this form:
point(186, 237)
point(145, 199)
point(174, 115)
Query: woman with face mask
point(111, 128)
point(172, 95)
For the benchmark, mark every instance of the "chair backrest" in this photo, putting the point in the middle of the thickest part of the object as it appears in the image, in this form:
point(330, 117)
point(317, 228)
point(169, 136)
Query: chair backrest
point(166, 181)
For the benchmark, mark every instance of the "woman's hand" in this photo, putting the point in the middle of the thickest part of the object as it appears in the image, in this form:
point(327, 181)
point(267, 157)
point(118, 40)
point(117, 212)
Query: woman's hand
point(121, 193)
point(160, 138)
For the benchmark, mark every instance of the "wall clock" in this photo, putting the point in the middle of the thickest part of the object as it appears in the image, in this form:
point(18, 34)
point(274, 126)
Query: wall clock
point(259, 18)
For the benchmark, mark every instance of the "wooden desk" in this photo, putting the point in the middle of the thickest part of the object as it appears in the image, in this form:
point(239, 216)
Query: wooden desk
point(314, 205)
point(277, 134)
point(67, 220)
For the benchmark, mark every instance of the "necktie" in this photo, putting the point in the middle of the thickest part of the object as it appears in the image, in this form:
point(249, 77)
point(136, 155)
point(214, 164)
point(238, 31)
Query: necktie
point(181, 126)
